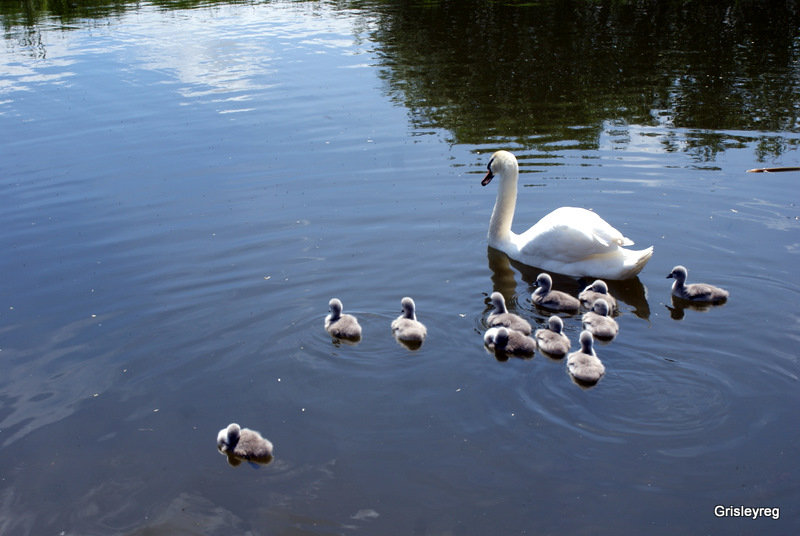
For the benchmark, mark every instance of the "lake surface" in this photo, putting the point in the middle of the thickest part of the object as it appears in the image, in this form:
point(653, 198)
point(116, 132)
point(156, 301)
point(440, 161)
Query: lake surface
point(185, 186)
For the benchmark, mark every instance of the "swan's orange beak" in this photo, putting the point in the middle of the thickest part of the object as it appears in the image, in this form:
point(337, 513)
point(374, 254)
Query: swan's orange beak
point(488, 178)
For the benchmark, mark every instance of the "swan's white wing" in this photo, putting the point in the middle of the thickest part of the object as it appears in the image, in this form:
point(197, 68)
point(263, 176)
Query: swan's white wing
point(568, 235)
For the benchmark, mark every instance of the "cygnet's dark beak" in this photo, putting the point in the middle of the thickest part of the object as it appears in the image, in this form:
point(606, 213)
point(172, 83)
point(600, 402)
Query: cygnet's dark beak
point(669, 276)
point(488, 178)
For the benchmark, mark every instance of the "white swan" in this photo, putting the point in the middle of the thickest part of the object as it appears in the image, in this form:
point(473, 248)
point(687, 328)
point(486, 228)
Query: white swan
point(501, 316)
point(571, 241)
point(696, 292)
point(340, 325)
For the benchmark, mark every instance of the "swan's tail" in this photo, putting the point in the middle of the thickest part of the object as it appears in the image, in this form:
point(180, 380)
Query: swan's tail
point(636, 260)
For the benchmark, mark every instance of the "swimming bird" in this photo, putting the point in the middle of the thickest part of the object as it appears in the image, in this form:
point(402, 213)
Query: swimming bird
point(501, 316)
point(696, 292)
point(406, 328)
point(555, 300)
point(552, 341)
point(598, 289)
point(244, 443)
point(598, 323)
point(341, 325)
point(509, 342)
point(584, 365)
point(569, 240)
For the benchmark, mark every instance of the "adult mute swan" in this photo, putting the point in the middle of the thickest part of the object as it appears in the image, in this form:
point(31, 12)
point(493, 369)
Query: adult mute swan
point(570, 241)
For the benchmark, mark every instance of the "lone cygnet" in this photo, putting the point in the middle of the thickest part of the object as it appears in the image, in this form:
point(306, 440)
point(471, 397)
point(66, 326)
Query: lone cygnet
point(501, 316)
point(596, 290)
point(555, 300)
point(244, 443)
point(341, 325)
point(696, 292)
point(584, 365)
point(598, 323)
point(552, 341)
point(509, 342)
point(406, 328)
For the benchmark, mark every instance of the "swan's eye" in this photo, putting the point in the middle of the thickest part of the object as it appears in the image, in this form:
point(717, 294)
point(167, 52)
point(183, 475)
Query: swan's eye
point(489, 167)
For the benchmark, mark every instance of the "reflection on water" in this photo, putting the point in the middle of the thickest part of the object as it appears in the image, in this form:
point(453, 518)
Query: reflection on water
point(679, 306)
point(186, 185)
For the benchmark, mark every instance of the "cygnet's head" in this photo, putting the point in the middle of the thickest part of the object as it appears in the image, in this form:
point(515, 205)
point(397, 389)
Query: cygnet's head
point(335, 306)
point(500, 163)
point(499, 303)
point(600, 307)
point(679, 273)
point(501, 337)
point(544, 282)
point(598, 286)
point(408, 308)
point(555, 324)
point(586, 340)
point(234, 432)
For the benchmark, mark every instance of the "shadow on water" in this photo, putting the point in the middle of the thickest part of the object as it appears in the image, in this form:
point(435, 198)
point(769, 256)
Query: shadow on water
point(504, 280)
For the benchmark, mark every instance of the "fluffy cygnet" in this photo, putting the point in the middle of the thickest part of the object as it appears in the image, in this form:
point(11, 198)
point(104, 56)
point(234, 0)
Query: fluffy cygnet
point(584, 365)
point(553, 342)
point(509, 342)
point(243, 443)
point(501, 316)
point(596, 290)
point(406, 327)
point(598, 323)
point(341, 325)
point(555, 300)
point(696, 292)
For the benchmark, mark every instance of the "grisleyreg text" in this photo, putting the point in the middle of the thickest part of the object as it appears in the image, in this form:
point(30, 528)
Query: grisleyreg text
point(751, 512)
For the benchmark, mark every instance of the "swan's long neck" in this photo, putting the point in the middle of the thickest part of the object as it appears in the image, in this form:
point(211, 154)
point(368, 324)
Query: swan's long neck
point(503, 213)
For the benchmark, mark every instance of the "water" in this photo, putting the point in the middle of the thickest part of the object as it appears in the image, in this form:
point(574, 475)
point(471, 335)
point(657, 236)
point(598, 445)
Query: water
point(186, 185)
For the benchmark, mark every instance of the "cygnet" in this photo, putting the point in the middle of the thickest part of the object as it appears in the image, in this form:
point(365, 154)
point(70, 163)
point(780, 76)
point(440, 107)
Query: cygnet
point(596, 290)
point(244, 443)
point(584, 365)
point(598, 323)
point(501, 316)
point(406, 328)
point(696, 292)
point(509, 342)
point(341, 325)
point(555, 300)
point(553, 342)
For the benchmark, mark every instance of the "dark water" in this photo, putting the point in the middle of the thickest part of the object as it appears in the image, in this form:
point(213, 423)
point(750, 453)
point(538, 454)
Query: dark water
point(185, 185)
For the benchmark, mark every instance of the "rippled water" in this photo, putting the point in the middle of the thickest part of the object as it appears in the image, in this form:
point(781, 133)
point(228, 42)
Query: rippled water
point(185, 188)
